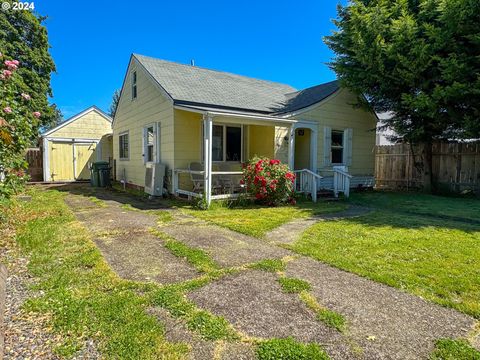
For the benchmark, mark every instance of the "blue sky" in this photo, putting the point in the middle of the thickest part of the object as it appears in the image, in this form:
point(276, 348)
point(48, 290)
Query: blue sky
point(272, 40)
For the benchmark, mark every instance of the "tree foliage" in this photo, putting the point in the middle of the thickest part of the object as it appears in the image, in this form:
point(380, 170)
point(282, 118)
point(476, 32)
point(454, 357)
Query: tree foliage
point(113, 106)
point(23, 37)
point(419, 59)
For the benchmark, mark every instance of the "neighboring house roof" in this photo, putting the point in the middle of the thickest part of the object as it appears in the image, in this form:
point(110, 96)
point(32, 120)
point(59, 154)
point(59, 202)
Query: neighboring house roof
point(77, 116)
point(195, 86)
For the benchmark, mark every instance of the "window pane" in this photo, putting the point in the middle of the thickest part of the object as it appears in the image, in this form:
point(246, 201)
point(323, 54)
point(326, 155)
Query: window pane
point(234, 143)
point(337, 156)
point(337, 138)
point(217, 143)
point(149, 134)
point(150, 153)
point(123, 146)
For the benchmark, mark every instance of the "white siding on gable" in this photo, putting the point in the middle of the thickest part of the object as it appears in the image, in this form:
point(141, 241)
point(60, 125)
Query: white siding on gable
point(150, 107)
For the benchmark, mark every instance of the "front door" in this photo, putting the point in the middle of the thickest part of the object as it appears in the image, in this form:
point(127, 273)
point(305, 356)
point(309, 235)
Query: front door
point(302, 149)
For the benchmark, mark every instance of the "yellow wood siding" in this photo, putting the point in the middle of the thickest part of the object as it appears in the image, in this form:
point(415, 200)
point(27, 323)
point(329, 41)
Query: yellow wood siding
point(61, 161)
point(90, 126)
point(338, 113)
point(261, 141)
point(150, 106)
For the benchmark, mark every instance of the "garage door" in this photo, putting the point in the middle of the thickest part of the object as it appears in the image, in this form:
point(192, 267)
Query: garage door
point(69, 161)
point(84, 155)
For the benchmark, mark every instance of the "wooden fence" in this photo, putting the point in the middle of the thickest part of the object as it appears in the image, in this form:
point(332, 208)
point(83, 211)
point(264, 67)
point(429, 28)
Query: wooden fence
point(35, 164)
point(456, 166)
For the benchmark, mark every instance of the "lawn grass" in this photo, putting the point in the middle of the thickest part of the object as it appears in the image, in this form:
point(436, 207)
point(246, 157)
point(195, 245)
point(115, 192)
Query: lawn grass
point(447, 349)
point(270, 265)
point(255, 220)
point(293, 285)
point(290, 349)
point(82, 296)
point(463, 209)
point(436, 259)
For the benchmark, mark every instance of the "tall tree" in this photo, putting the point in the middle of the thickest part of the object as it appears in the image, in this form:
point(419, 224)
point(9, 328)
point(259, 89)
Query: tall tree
point(420, 60)
point(23, 37)
point(113, 106)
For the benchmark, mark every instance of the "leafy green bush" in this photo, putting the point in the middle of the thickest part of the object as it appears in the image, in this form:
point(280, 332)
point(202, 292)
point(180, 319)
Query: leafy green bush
point(289, 349)
point(269, 181)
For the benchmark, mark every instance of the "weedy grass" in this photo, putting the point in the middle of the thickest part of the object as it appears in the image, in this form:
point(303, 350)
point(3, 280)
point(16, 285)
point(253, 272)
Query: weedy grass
point(81, 294)
point(290, 349)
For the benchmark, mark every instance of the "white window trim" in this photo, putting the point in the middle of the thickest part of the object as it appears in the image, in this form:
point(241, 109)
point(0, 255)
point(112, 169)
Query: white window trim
point(338, 147)
point(225, 125)
point(128, 146)
point(156, 152)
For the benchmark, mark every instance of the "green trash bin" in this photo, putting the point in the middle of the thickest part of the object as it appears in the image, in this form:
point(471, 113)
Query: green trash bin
point(99, 168)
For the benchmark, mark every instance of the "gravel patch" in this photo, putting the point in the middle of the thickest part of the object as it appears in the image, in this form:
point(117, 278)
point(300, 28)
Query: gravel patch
point(254, 303)
point(228, 248)
point(385, 322)
point(291, 231)
point(26, 334)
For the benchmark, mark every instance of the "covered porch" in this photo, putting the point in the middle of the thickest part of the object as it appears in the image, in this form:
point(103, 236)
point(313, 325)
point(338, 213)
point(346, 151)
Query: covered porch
point(212, 146)
point(208, 160)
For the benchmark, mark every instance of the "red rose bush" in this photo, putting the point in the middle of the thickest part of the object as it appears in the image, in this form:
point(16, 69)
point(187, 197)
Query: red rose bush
point(269, 181)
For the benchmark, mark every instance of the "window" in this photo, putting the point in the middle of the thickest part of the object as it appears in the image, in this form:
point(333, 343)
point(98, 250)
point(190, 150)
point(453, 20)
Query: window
point(337, 147)
point(149, 139)
point(226, 143)
point(134, 85)
point(123, 146)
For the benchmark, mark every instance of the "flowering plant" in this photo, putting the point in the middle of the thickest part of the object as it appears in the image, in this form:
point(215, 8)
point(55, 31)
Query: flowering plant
point(18, 123)
point(269, 181)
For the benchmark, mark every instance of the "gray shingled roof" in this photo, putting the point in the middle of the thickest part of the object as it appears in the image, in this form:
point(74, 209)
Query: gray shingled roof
point(191, 85)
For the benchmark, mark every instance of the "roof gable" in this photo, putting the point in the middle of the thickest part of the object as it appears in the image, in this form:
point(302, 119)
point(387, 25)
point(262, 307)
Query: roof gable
point(76, 117)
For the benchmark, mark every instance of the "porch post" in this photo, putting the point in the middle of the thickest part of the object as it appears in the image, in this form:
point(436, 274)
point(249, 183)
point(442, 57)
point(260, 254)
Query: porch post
point(207, 161)
point(291, 147)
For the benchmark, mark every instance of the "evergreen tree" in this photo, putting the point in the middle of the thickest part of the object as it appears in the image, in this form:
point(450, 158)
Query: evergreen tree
point(113, 106)
point(420, 60)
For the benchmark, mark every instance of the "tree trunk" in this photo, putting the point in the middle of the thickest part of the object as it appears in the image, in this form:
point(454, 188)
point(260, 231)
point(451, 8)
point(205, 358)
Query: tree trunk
point(428, 185)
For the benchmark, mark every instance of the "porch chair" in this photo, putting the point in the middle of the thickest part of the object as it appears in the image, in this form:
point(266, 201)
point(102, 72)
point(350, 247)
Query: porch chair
point(198, 179)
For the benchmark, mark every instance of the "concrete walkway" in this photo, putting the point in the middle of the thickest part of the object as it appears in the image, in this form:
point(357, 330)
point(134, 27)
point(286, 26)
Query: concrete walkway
point(383, 322)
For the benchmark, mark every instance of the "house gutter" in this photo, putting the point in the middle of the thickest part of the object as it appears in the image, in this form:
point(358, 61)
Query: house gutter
point(242, 116)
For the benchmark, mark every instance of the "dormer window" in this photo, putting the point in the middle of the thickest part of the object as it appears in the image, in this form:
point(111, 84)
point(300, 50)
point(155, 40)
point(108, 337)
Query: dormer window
point(134, 85)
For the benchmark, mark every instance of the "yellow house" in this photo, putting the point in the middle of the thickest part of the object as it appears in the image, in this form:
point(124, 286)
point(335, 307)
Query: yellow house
point(202, 124)
point(72, 146)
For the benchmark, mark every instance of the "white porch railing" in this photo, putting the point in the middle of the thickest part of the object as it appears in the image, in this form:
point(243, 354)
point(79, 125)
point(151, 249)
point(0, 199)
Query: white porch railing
point(341, 181)
point(221, 189)
point(306, 182)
